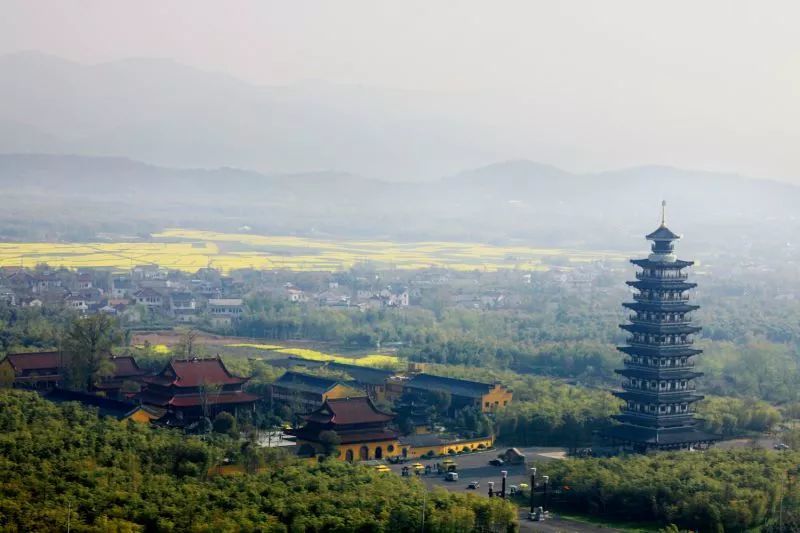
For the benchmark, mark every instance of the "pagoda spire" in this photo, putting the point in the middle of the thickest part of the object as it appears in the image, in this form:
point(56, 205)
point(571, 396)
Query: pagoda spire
point(663, 213)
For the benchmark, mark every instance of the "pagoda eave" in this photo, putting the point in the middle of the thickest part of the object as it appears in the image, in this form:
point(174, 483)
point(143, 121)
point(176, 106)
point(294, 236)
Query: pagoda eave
point(676, 307)
point(659, 396)
point(647, 263)
point(660, 351)
point(657, 422)
point(661, 284)
point(665, 439)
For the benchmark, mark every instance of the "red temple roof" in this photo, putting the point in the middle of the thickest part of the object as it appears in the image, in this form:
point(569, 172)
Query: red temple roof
point(34, 361)
point(126, 366)
point(345, 411)
point(195, 400)
point(194, 373)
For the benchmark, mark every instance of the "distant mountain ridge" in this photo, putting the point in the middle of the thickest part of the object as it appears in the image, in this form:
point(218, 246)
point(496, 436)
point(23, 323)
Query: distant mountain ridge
point(507, 201)
point(169, 114)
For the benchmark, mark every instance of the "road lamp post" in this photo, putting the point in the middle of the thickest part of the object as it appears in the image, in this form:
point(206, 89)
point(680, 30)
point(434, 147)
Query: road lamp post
point(491, 488)
point(545, 479)
point(533, 489)
point(505, 475)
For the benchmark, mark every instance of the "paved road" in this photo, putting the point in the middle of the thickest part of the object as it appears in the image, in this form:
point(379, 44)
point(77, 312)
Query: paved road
point(476, 467)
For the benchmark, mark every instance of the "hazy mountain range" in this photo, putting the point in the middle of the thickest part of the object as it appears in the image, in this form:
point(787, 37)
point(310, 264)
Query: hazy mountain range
point(75, 197)
point(166, 113)
point(375, 163)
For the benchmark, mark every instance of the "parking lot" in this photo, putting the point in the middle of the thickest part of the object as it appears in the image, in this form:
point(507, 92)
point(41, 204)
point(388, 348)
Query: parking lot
point(476, 467)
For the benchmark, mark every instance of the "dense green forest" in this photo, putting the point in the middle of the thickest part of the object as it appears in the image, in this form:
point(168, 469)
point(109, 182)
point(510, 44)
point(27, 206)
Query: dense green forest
point(751, 336)
point(712, 491)
point(61, 464)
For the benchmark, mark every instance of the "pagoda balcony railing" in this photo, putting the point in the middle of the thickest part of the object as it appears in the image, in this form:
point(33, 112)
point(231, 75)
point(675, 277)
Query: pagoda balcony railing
point(666, 300)
point(665, 277)
point(654, 344)
point(660, 392)
point(661, 416)
point(636, 320)
point(630, 363)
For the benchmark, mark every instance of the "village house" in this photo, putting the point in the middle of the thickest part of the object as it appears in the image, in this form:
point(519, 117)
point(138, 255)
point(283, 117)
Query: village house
point(121, 287)
point(45, 282)
point(149, 298)
point(84, 281)
point(295, 295)
point(333, 298)
point(223, 311)
point(150, 272)
point(77, 303)
point(182, 301)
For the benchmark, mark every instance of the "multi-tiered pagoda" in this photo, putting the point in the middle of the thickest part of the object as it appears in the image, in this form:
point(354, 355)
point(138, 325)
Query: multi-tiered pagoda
point(658, 387)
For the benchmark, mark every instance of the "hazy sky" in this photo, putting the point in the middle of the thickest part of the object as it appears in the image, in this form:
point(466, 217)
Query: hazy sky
point(585, 85)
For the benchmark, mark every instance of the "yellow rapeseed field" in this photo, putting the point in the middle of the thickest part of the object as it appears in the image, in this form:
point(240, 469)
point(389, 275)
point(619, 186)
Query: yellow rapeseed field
point(305, 353)
point(189, 250)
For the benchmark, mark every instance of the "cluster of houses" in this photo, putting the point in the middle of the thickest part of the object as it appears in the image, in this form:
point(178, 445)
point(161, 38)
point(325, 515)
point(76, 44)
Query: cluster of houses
point(185, 391)
point(208, 295)
point(157, 295)
point(173, 296)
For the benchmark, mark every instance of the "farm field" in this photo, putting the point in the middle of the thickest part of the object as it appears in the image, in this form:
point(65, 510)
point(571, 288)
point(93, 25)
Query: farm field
point(189, 250)
point(163, 342)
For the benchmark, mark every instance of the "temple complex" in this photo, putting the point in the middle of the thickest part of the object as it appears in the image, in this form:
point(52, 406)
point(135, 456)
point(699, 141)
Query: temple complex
point(196, 387)
point(658, 386)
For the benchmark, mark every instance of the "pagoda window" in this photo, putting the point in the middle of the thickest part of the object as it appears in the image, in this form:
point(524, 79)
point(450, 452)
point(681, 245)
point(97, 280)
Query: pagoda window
point(684, 384)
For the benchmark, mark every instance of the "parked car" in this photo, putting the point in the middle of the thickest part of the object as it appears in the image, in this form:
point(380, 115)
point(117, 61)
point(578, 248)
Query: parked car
point(781, 446)
point(497, 462)
point(474, 485)
point(451, 476)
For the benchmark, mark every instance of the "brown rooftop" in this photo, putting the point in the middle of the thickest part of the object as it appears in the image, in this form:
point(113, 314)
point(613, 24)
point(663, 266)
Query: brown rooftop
point(346, 411)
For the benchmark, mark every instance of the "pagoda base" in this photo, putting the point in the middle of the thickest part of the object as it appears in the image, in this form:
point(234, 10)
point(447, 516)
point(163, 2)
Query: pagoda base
point(643, 439)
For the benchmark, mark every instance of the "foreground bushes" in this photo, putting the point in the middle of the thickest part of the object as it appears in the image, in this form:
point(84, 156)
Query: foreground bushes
point(60, 463)
point(718, 490)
